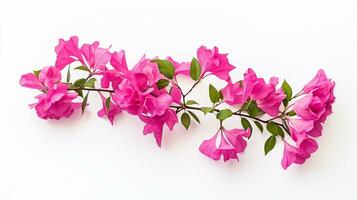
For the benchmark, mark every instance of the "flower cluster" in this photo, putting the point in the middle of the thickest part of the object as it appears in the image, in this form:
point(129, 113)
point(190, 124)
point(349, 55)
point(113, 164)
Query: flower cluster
point(151, 91)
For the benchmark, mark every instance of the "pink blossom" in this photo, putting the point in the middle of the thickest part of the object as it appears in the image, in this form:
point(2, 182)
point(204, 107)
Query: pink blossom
point(267, 97)
point(112, 112)
point(322, 90)
point(56, 103)
point(316, 103)
point(157, 105)
point(127, 97)
point(95, 56)
point(299, 154)
point(145, 74)
point(89, 55)
point(182, 68)
point(30, 80)
point(212, 62)
point(231, 143)
point(320, 84)
point(118, 61)
point(176, 94)
point(110, 77)
point(300, 130)
point(136, 92)
point(48, 76)
point(68, 52)
point(234, 93)
point(300, 125)
point(154, 124)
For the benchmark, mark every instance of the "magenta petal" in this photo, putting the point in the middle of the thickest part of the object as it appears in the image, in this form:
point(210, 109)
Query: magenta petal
point(289, 156)
point(68, 52)
point(118, 61)
point(301, 125)
point(176, 94)
point(31, 81)
point(209, 148)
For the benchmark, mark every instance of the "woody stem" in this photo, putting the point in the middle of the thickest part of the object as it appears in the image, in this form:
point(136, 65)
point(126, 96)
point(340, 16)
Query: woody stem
point(193, 108)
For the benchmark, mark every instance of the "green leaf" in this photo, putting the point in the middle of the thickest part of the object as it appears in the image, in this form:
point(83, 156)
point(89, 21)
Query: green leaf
point(194, 116)
point(166, 68)
point(220, 94)
point(79, 82)
point(37, 72)
point(195, 69)
point(185, 120)
point(245, 123)
point(84, 103)
point(224, 114)
point(83, 68)
point(191, 102)
point(68, 79)
point(206, 110)
point(90, 83)
point(253, 109)
point(79, 92)
point(107, 103)
point(162, 83)
point(275, 129)
point(213, 94)
point(288, 92)
point(269, 144)
point(259, 125)
point(291, 113)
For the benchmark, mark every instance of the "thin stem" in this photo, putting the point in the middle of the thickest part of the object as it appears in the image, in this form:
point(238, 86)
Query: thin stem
point(235, 113)
point(193, 86)
point(86, 79)
point(93, 89)
point(238, 113)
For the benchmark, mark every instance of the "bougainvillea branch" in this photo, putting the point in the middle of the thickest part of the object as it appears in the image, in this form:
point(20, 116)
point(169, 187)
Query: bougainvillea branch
point(150, 90)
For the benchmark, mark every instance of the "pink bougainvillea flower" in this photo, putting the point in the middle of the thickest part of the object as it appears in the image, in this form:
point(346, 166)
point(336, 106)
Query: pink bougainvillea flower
point(267, 97)
point(253, 88)
point(47, 77)
point(231, 143)
point(182, 68)
point(110, 78)
point(127, 97)
point(300, 125)
point(30, 80)
point(118, 61)
point(136, 92)
point(89, 55)
point(212, 62)
point(322, 90)
point(155, 124)
point(110, 113)
point(157, 105)
point(316, 103)
point(95, 56)
point(145, 74)
point(56, 103)
point(68, 52)
point(133, 93)
point(271, 103)
point(319, 84)
point(176, 94)
point(299, 154)
point(234, 94)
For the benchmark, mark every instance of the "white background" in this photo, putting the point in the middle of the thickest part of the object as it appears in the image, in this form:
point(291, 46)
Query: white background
point(86, 158)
